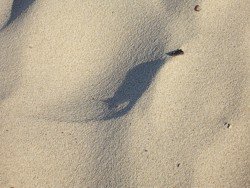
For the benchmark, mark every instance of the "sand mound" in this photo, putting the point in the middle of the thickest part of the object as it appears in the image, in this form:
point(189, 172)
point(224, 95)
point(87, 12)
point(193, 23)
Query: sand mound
point(94, 93)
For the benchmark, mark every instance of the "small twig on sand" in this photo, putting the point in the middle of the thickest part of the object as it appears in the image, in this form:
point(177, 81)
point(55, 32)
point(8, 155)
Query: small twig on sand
point(174, 53)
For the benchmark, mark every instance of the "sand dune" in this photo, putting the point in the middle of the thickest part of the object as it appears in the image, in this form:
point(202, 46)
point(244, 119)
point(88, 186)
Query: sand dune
point(93, 95)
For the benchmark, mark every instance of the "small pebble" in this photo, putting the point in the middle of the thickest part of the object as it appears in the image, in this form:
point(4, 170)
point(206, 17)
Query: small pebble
point(227, 125)
point(197, 8)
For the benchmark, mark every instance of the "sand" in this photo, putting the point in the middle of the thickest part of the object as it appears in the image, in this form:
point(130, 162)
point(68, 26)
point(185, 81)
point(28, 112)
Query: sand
point(90, 95)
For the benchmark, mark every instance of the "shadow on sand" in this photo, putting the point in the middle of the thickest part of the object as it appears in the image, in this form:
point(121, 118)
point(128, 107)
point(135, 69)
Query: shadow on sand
point(18, 7)
point(136, 82)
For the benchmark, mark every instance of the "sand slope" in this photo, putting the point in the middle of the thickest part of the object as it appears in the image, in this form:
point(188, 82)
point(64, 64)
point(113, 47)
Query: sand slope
point(87, 99)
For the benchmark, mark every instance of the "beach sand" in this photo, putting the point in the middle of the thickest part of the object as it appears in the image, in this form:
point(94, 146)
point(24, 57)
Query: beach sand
point(92, 95)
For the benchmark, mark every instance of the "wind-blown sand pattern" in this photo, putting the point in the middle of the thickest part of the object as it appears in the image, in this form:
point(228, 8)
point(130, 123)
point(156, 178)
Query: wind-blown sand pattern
point(96, 94)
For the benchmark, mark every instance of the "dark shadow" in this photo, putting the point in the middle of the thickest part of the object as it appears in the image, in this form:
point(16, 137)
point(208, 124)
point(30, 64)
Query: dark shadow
point(18, 7)
point(136, 82)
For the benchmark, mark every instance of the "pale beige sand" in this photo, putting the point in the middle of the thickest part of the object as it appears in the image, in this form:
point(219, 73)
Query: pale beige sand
point(88, 101)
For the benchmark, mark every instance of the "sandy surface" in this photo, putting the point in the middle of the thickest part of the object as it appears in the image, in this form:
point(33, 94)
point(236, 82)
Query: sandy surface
point(89, 98)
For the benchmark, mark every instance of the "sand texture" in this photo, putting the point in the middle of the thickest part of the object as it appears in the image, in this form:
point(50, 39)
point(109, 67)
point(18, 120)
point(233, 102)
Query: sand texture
point(94, 93)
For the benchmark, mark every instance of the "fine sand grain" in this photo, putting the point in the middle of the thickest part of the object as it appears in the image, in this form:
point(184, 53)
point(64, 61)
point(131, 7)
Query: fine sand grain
point(124, 93)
